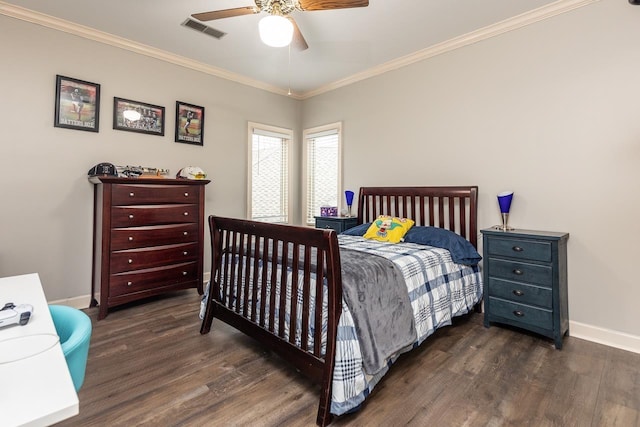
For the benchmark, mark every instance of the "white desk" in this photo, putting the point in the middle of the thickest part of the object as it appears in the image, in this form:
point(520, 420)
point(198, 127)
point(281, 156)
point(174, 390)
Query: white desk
point(37, 389)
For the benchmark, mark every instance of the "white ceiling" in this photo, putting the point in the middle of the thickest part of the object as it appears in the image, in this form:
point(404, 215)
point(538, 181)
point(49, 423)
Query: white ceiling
point(344, 45)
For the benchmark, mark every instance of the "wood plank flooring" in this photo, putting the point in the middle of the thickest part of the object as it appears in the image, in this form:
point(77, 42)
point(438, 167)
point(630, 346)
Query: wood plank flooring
point(149, 366)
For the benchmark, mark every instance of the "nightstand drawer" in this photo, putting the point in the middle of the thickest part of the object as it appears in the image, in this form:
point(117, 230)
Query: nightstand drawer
point(522, 313)
point(520, 292)
point(520, 249)
point(521, 272)
point(338, 223)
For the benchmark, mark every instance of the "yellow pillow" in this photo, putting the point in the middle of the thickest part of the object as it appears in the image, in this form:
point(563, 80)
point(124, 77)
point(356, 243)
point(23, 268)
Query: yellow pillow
point(388, 229)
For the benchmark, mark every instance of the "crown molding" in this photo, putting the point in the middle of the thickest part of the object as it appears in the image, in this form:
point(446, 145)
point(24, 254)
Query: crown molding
point(48, 21)
point(519, 21)
point(545, 12)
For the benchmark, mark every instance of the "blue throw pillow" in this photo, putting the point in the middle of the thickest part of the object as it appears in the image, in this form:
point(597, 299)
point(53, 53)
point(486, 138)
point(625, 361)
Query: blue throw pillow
point(462, 251)
point(358, 230)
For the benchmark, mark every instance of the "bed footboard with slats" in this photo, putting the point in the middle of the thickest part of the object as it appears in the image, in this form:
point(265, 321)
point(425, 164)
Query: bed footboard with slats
point(271, 282)
point(281, 284)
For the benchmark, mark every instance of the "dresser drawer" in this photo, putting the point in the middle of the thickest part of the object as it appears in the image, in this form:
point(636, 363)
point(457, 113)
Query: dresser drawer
point(520, 249)
point(533, 316)
point(520, 292)
point(140, 237)
point(133, 194)
point(130, 216)
point(521, 272)
point(156, 256)
point(143, 280)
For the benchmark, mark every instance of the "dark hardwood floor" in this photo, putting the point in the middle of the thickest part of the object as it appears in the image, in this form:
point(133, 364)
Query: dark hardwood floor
point(149, 365)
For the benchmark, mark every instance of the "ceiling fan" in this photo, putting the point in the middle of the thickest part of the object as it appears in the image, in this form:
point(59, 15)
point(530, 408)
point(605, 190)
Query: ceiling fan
point(279, 20)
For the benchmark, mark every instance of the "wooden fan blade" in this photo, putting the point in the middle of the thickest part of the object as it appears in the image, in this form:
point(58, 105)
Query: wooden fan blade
point(226, 13)
point(298, 42)
point(331, 4)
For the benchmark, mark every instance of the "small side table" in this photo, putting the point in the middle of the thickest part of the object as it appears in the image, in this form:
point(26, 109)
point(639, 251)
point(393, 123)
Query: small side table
point(525, 281)
point(338, 223)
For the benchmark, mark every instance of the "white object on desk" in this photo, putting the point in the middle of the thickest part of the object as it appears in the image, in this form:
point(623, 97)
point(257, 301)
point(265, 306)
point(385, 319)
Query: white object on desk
point(40, 391)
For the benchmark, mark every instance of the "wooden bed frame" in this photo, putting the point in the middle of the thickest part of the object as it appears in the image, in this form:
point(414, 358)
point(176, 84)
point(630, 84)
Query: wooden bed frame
point(312, 252)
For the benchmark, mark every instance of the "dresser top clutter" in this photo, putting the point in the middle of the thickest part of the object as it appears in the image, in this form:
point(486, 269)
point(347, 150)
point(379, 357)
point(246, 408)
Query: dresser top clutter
point(148, 238)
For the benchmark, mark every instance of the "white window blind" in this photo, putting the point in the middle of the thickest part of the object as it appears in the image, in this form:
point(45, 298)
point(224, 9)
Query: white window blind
point(322, 169)
point(269, 174)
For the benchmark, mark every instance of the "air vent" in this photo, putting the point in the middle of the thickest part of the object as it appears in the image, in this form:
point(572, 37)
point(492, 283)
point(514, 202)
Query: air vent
point(200, 27)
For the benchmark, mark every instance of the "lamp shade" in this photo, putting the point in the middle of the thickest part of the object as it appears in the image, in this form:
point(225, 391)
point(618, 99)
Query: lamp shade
point(275, 30)
point(504, 200)
point(349, 196)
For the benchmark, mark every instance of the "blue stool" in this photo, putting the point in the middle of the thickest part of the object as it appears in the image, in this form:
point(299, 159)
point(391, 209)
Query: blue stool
point(74, 329)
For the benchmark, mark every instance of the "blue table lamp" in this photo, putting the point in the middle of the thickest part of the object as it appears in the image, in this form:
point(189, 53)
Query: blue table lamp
point(504, 200)
point(349, 196)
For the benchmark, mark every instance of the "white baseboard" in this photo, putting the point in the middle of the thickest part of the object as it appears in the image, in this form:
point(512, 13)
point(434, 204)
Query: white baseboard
point(80, 302)
point(84, 301)
point(604, 336)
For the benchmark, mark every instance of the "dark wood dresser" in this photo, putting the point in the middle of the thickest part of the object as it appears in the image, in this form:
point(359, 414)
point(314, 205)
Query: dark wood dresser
point(148, 238)
point(525, 281)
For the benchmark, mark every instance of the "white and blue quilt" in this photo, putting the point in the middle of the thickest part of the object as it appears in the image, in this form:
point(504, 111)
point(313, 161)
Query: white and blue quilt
point(438, 288)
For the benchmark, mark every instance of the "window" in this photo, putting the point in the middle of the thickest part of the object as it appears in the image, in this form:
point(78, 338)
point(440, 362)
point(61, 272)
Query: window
point(268, 192)
point(322, 169)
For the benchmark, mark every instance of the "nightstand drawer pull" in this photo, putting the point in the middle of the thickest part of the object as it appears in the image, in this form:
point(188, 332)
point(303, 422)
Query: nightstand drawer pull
point(518, 293)
point(517, 249)
point(518, 313)
point(518, 272)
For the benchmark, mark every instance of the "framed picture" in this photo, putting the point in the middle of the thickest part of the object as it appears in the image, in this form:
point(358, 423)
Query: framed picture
point(77, 104)
point(189, 123)
point(134, 116)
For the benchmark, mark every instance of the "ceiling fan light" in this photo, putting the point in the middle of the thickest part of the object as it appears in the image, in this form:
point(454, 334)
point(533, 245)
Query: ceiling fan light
point(275, 31)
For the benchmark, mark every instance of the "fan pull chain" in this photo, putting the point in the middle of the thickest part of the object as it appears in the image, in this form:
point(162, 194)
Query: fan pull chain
point(289, 71)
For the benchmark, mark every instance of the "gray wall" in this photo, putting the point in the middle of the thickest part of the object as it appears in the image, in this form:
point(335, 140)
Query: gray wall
point(550, 111)
point(46, 213)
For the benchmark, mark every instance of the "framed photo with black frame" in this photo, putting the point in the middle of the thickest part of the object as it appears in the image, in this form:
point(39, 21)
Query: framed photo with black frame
point(189, 123)
point(77, 104)
point(134, 116)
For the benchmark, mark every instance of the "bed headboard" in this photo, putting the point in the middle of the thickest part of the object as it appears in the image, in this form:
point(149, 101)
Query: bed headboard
point(453, 208)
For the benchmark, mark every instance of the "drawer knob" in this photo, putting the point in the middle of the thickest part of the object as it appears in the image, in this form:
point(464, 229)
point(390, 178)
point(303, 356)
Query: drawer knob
point(131, 194)
point(518, 292)
point(517, 249)
point(184, 273)
point(186, 233)
point(518, 272)
point(186, 194)
point(327, 227)
point(131, 238)
point(185, 253)
point(129, 283)
point(186, 214)
point(130, 261)
point(518, 313)
point(131, 216)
